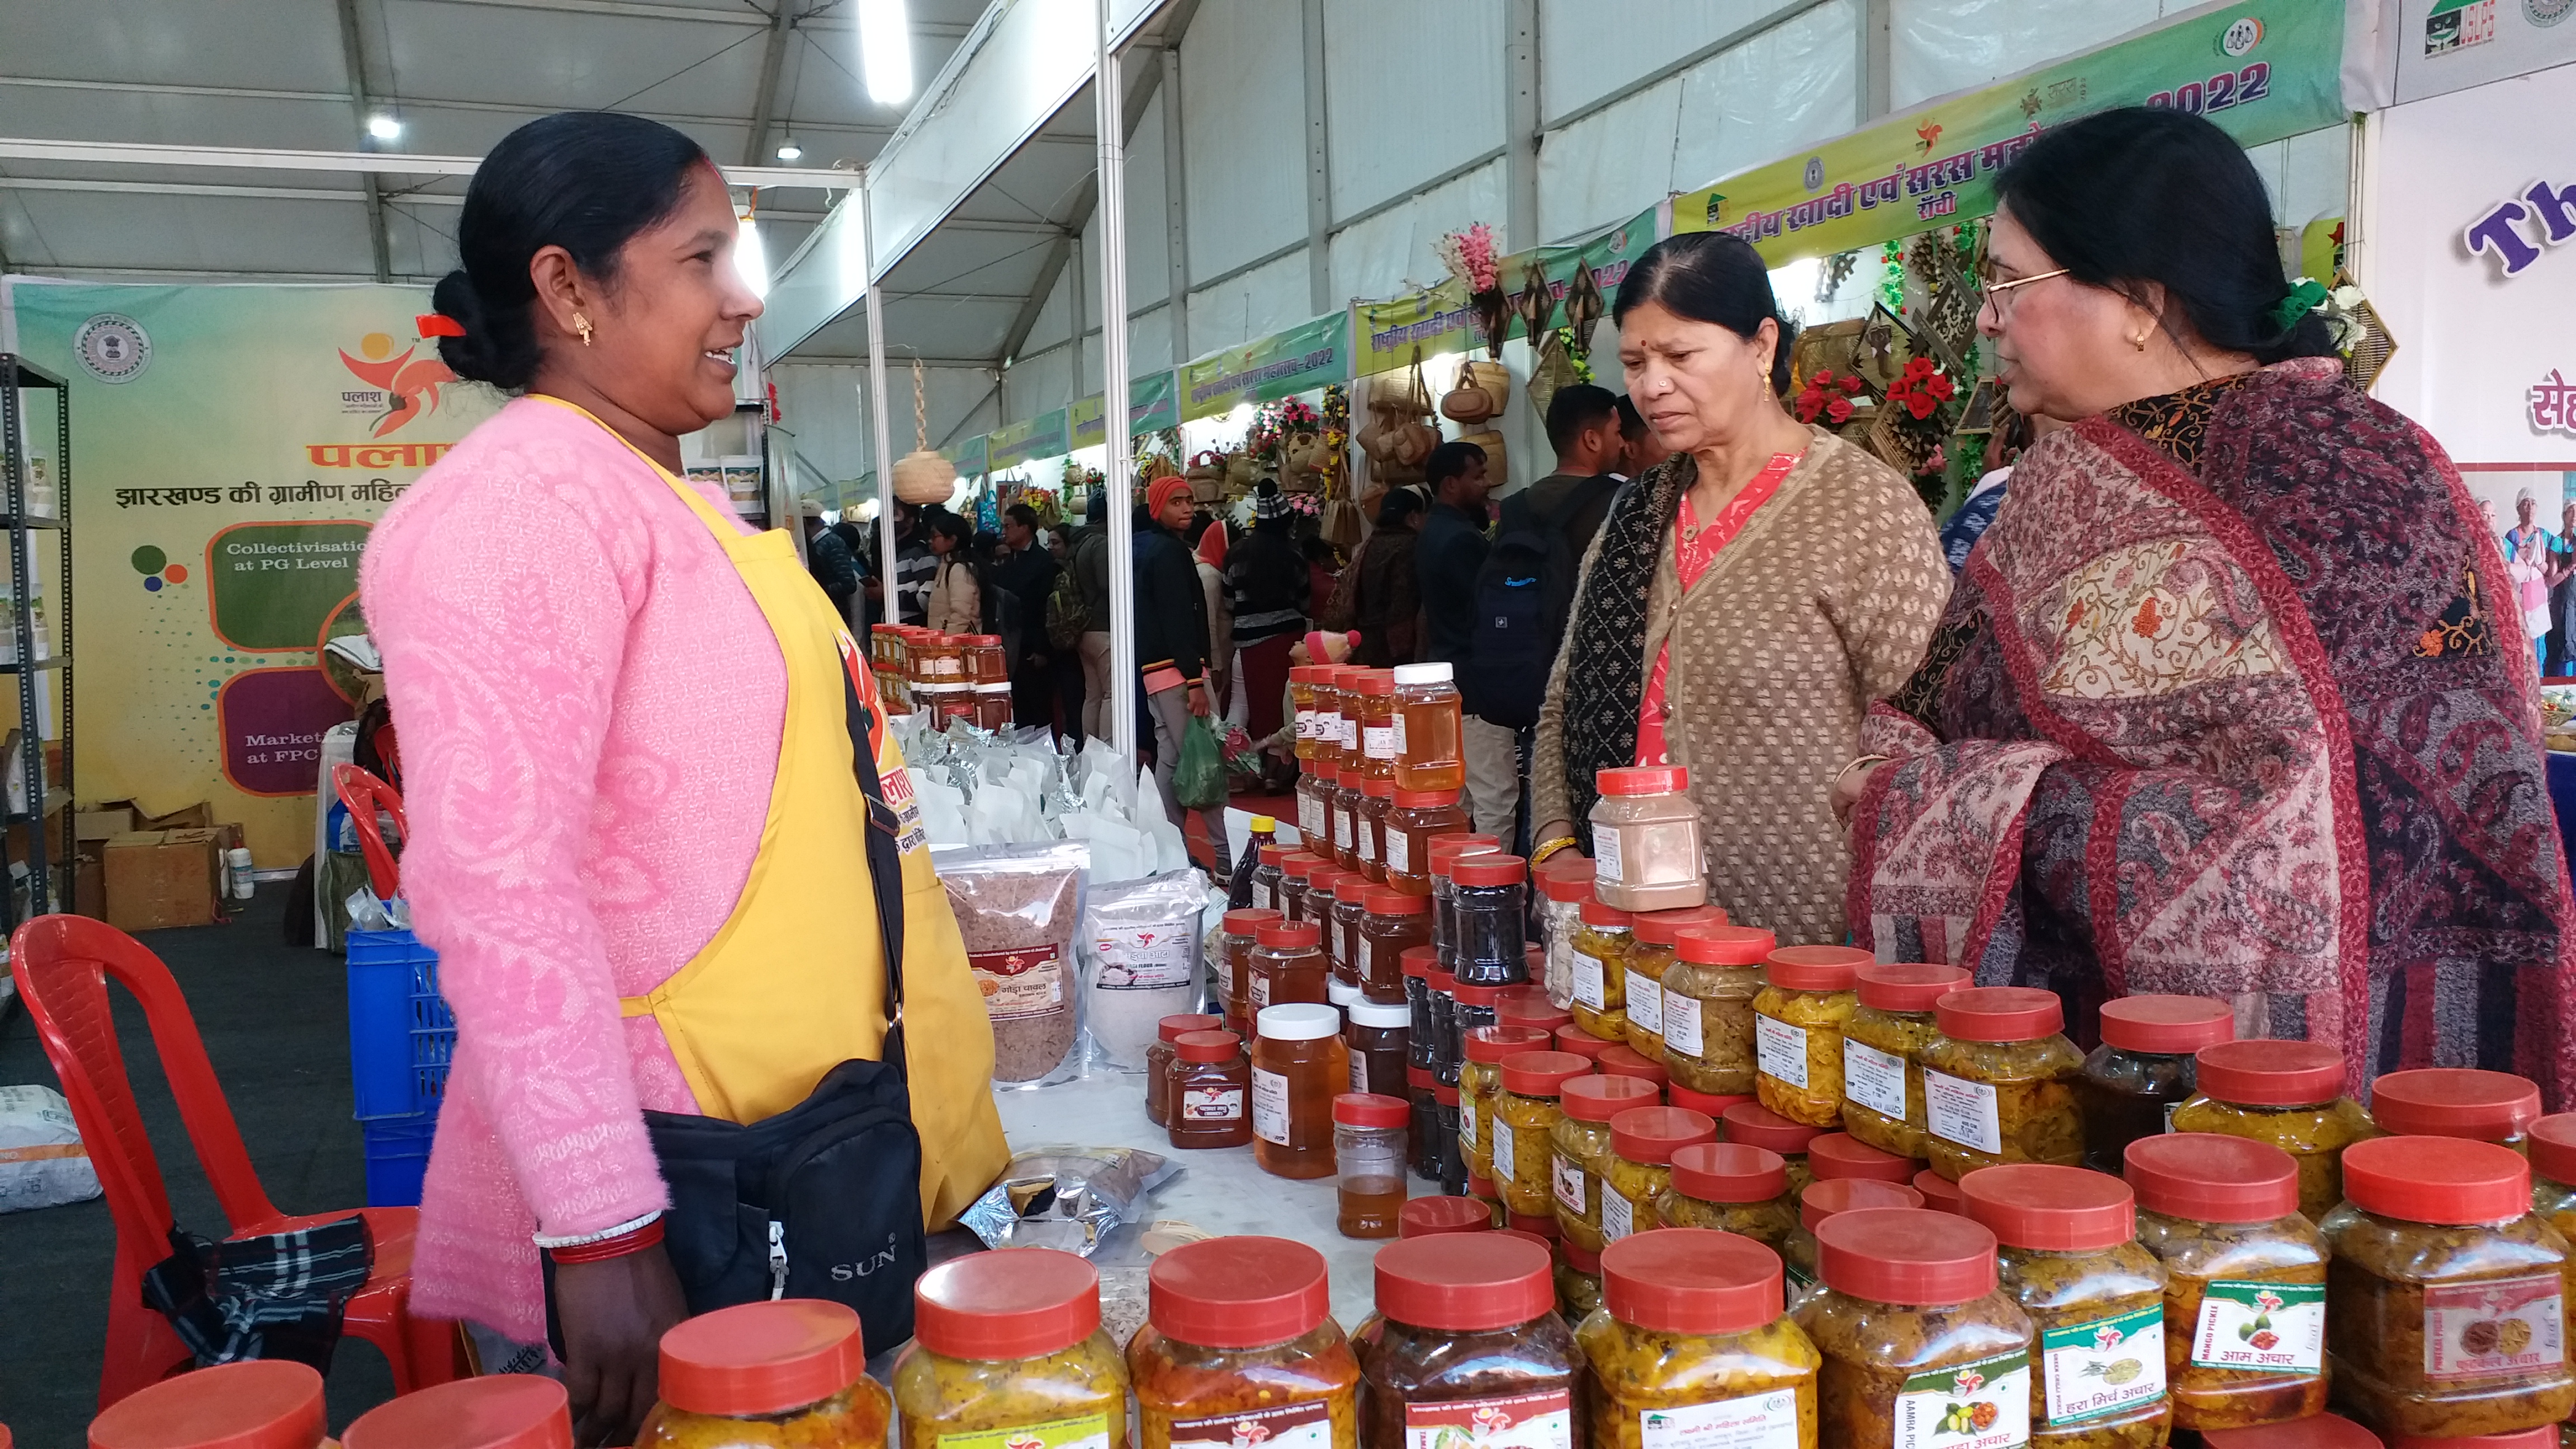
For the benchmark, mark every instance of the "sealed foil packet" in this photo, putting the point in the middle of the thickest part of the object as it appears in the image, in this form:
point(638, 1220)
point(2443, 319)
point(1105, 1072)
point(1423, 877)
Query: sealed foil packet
point(1070, 1198)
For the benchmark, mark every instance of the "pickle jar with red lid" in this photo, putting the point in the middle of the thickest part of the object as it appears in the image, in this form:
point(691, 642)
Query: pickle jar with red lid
point(2069, 1256)
point(1429, 1217)
point(2334, 1431)
point(1430, 729)
point(2446, 1294)
point(1564, 883)
point(792, 1368)
point(1287, 964)
point(1914, 1332)
point(1807, 998)
point(1728, 1187)
point(1883, 1046)
point(504, 1411)
point(2553, 1171)
point(1571, 1037)
point(1466, 1337)
point(1480, 1077)
point(1240, 934)
point(1006, 1343)
point(1488, 894)
point(2222, 1215)
point(1713, 1103)
point(1446, 851)
point(1210, 1092)
point(2287, 1093)
point(1529, 1006)
point(1650, 959)
point(1645, 839)
point(1392, 923)
point(1755, 1125)
point(1623, 1061)
point(1582, 1143)
point(1822, 1199)
point(1368, 1163)
point(1691, 1331)
point(2145, 1067)
point(1999, 1082)
point(1837, 1156)
point(253, 1404)
point(1298, 1066)
point(1705, 1007)
point(1640, 1167)
point(2485, 1106)
point(1377, 802)
point(1239, 1337)
point(1158, 1060)
point(1523, 1120)
point(1414, 819)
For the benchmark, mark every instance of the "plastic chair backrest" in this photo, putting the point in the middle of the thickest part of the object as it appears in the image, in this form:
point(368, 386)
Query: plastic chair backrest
point(61, 964)
point(364, 794)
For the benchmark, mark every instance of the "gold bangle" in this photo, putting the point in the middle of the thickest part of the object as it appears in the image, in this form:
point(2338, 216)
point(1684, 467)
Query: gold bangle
point(1539, 856)
point(1854, 765)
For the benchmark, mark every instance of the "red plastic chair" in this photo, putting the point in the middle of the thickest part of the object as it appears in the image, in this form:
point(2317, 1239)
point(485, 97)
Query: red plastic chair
point(62, 964)
point(364, 794)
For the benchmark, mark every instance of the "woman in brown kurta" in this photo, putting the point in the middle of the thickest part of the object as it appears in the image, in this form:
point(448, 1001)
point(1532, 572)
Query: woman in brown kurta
point(1743, 603)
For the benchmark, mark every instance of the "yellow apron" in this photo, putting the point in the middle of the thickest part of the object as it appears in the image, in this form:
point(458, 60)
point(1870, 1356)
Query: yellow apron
point(794, 982)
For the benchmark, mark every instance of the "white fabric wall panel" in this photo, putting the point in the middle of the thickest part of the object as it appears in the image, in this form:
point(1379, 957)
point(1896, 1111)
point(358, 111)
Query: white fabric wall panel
point(1589, 48)
point(1267, 299)
point(821, 404)
point(1612, 163)
point(1939, 46)
point(1037, 383)
point(1149, 235)
point(1243, 107)
point(1055, 319)
point(1390, 253)
point(1394, 126)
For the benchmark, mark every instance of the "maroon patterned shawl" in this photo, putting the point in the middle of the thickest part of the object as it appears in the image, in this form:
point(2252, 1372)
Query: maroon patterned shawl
point(2228, 702)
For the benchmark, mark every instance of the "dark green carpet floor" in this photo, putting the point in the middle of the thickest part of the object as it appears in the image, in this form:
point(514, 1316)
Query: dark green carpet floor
point(275, 1022)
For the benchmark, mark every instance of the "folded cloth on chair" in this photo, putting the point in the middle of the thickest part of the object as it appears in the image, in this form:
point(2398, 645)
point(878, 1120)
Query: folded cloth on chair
point(278, 1296)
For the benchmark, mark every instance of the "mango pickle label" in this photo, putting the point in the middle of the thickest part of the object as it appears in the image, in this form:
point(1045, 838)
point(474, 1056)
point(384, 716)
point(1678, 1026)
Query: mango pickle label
point(1980, 1405)
point(1756, 1421)
point(2499, 1326)
point(1503, 1160)
point(1569, 1184)
point(1874, 1079)
point(1780, 1051)
point(1589, 987)
point(1290, 1426)
point(1090, 1431)
point(1618, 1216)
point(1961, 1112)
point(2260, 1326)
point(2104, 1365)
point(1517, 1421)
point(1646, 1003)
point(1682, 1034)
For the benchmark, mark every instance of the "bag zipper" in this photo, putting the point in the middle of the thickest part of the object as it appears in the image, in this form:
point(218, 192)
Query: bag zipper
point(777, 1260)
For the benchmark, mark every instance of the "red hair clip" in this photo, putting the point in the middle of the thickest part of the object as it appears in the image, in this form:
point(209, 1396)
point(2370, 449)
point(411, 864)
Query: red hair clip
point(432, 324)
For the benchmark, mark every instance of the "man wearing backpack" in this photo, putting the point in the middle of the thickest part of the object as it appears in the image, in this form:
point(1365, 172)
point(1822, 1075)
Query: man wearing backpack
point(1524, 593)
point(1450, 557)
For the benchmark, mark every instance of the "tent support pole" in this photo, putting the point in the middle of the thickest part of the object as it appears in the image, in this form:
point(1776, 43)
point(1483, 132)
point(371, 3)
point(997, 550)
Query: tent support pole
point(881, 433)
point(1108, 93)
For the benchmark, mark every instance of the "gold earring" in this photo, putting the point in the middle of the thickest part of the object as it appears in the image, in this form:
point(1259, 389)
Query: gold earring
point(581, 324)
point(2139, 342)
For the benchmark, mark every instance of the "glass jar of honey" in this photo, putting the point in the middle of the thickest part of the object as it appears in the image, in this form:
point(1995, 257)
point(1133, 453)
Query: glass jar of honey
point(1430, 729)
point(1375, 691)
point(1301, 696)
point(1414, 819)
point(1287, 965)
point(1296, 869)
point(1377, 802)
point(1298, 1066)
point(1314, 806)
point(1394, 923)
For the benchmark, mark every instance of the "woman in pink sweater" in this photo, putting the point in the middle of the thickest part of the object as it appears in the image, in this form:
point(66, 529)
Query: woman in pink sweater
point(628, 760)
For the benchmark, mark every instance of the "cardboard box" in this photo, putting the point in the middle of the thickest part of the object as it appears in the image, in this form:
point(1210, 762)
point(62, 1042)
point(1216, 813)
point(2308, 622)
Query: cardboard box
point(199, 816)
point(104, 823)
point(89, 887)
point(161, 878)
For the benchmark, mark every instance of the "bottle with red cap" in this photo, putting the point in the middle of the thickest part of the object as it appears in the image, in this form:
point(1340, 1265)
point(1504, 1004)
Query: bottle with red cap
point(2222, 1215)
point(1808, 996)
point(2446, 1292)
point(1582, 1149)
point(1645, 839)
point(2287, 1093)
point(1639, 1170)
point(1650, 959)
point(1240, 1331)
point(1692, 1343)
point(795, 1362)
point(528, 1411)
point(1821, 1200)
point(1523, 1122)
point(2457, 1102)
point(1755, 1125)
point(1915, 1333)
point(1999, 1082)
point(2144, 1069)
point(1007, 1342)
point(1466, 1338)
point(1891, 1026)
point(1728, 1187)
point(1707, 1007)
point(1597, 970)
point(2069, 1256)
point(255, 1404)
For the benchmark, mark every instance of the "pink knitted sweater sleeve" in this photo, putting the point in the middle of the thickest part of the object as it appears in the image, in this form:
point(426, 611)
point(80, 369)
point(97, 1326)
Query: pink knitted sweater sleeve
point(503, 648)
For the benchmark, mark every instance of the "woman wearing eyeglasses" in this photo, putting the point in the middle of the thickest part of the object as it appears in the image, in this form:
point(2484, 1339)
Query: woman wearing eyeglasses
point(2231, 699)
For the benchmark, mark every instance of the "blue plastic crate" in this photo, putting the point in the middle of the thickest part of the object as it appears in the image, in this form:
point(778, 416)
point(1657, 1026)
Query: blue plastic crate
point(400, 1031)
point(397, 1155)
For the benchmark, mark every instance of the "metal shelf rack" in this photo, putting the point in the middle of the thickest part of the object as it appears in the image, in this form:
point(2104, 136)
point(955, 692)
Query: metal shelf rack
point(47, 843)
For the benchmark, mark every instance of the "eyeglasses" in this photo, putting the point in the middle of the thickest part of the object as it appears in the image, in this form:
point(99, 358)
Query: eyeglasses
point(1999, 294)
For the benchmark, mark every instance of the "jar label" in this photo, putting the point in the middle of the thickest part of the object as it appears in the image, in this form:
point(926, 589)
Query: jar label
point(1270, 1107)
point(1605, 856)
point(1399, 856)
point(1290, 1426)
point(1756, 1421)
point(1310, 816)
point(1305, 724)
point(1505, 1167)
point(1467, 1123)
point(1875, 1079)
point(1348, 735)
point(1212, 1104)
point(1569, 1184)
point(1341, 829)
point(1618, 1215)
point(1146, 958)
point(1542, 1420)
point(1359, 1071)
point(1962, 1112)
point(1018, 983)
point(1681, 1025)
point(1780, 1051)
point(2498, 1326)
point(2260, 1326)
point(1981, 1405)
point(1378, 741)
point(1645, 1002)
point(1398, 727)
point(1589, 988)
point(1260, 992)
point(1368, 950)
point(1090, 1431)
point(1798, 1279)
point(2104, 1365)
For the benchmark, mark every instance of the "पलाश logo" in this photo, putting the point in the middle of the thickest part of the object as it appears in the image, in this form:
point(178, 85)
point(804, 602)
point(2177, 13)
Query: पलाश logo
point(2240, 37)
point(2547, 12)
point(113, 347)
point(406, 387)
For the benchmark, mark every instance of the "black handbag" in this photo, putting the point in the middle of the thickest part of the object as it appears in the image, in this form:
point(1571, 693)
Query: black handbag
point(824, 1199)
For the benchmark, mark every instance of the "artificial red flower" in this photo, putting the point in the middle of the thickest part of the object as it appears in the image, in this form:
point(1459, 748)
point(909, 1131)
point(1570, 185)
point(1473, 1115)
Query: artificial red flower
point(1920, 405)
point(1840, 410)
point(1940, 387)
point(1851, 384)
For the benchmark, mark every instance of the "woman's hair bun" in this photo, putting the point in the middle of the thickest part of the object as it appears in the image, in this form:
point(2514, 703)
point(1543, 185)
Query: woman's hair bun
point(473, 356)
